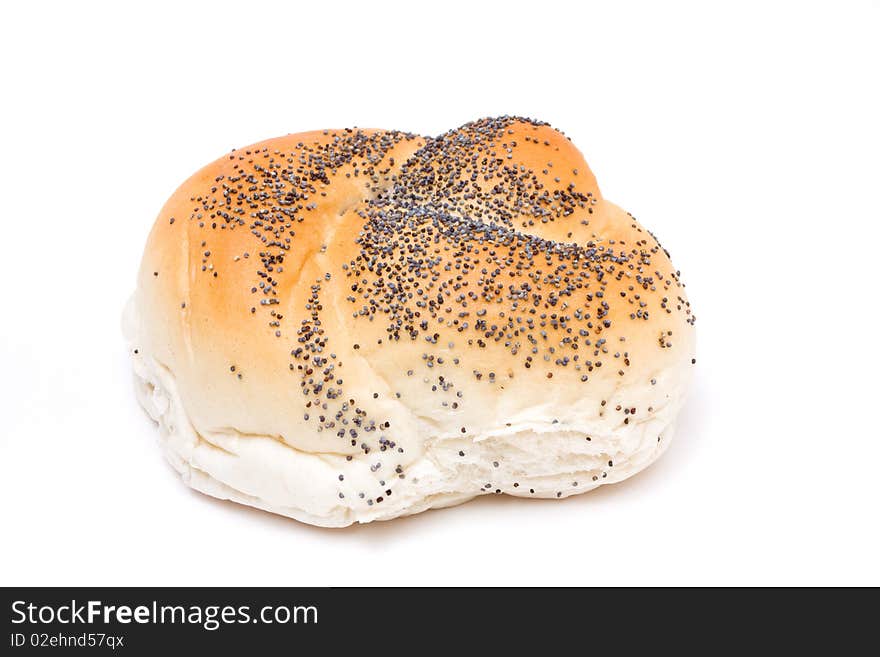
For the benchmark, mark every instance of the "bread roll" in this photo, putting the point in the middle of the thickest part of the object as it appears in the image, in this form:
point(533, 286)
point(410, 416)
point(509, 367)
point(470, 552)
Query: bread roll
point(353, 325)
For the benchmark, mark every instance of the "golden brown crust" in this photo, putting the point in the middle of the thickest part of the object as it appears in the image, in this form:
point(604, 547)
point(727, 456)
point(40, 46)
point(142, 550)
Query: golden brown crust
point(308, 286)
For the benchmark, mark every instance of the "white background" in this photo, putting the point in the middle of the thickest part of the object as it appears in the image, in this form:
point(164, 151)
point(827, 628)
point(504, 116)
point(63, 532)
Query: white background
point(746, 137)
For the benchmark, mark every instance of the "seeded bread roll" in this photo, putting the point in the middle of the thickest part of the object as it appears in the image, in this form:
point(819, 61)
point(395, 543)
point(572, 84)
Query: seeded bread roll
point(353, 325)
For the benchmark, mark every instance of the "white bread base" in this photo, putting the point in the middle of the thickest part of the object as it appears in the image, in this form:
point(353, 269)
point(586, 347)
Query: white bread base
point(264, 472)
